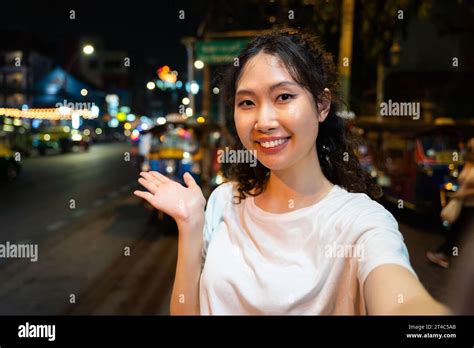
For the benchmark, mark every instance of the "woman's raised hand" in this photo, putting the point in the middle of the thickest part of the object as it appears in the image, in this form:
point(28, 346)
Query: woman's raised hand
point(178, 201)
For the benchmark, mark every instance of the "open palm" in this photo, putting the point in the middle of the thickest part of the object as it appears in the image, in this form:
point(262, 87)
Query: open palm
point(178, 201)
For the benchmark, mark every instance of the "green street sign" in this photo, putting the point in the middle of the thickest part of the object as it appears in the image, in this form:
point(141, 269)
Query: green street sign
point(219, 51)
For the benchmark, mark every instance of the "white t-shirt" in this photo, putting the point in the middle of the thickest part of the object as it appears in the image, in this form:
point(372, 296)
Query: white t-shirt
point(312, 260)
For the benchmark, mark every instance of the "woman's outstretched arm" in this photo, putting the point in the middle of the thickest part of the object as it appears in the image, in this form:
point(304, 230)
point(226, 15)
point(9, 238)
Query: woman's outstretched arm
point(185, 295)
point(185, 204)
point(392, 289)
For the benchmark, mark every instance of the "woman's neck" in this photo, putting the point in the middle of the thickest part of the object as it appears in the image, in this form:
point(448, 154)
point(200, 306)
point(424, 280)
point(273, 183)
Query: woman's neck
point(299, 186)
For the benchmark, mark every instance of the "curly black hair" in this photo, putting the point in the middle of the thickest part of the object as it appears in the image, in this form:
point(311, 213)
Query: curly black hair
point(314, 69)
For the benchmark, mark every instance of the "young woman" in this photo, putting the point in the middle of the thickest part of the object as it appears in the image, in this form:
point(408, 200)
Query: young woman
point(298, 233)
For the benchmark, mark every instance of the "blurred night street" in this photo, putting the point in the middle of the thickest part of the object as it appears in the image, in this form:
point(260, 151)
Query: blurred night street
point(93, 96)
point(83, 252)
point(87, 241)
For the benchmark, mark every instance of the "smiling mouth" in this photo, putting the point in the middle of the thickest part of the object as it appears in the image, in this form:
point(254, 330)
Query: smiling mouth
point(273, 143)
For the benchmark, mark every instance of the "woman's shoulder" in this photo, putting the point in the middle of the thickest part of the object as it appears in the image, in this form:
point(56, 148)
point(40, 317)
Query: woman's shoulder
point(359, 205)
point(222, 194)
point(223, 190)
point(216, 207)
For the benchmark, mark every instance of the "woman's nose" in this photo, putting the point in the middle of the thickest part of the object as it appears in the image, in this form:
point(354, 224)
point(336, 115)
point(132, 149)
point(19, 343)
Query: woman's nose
point(267, 118)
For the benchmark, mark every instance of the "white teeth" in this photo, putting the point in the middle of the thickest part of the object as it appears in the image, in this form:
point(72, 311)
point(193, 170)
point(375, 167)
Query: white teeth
point(274, 143)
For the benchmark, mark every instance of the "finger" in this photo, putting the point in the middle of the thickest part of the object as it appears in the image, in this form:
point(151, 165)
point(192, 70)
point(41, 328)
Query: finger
point(145, 195)
point(150, 186)
point(189, 180)
point(150, 178)
point(160, 177)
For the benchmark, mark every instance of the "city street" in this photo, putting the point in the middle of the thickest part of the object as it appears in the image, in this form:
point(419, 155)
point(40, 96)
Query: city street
point(83, 247)
point(111, 254)
point(38, 205)
point(112, 115)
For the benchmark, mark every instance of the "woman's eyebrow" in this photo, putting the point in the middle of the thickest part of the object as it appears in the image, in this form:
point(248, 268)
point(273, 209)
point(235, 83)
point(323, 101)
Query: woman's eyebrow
point(272, 87)
point(283, 84)
point(244, 91)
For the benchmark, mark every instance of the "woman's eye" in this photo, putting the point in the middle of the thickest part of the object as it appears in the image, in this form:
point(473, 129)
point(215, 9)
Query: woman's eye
point(285, 96)
point(246, 103)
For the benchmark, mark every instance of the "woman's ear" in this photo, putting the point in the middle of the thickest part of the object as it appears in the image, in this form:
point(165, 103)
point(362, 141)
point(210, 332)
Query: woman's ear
point(324, 105)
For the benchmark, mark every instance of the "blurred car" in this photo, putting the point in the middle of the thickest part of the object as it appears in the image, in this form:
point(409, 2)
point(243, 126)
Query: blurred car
point(17, 134)
point(9, 167)
point(61, 138)
point(81, 139)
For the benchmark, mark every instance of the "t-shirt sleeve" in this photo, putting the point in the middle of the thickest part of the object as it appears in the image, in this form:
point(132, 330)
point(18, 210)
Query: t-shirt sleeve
point(381, 241)
point(213, 215)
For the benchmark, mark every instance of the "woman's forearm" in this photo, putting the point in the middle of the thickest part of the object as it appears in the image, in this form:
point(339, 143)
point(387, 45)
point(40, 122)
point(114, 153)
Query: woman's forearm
point(421, 306)
point(185, 295)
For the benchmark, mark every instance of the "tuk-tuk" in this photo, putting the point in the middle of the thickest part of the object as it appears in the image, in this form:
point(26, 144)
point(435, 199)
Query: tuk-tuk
point(174, 148)
point(415, 163)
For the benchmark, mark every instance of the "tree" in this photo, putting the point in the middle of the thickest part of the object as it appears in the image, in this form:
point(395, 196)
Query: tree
point(380, 22)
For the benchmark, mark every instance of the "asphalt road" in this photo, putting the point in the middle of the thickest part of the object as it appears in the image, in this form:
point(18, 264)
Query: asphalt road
point(101, 257)
point(56, 190)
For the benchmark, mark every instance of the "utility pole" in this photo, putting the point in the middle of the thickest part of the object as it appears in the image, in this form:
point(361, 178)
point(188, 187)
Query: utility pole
point(345, 50)
point(189, 43)
point(206, 87)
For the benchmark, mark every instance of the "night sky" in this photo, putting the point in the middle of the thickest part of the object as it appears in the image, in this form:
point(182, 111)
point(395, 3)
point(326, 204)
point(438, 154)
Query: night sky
point(148, 30)
point(150, 33)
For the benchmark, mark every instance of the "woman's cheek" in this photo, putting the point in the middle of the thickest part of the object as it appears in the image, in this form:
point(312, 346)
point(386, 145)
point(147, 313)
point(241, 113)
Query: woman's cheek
point(292, 110)
point(244, 131)
point(306, 125)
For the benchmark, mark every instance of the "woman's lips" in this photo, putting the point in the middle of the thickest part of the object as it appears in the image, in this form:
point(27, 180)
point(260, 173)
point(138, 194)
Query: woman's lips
point(273, 149)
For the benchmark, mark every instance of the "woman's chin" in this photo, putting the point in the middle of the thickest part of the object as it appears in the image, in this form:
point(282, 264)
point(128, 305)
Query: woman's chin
point(274, 164)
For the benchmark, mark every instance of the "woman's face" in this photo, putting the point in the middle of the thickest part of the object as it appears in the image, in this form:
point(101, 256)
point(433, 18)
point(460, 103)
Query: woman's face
point(274, 115)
